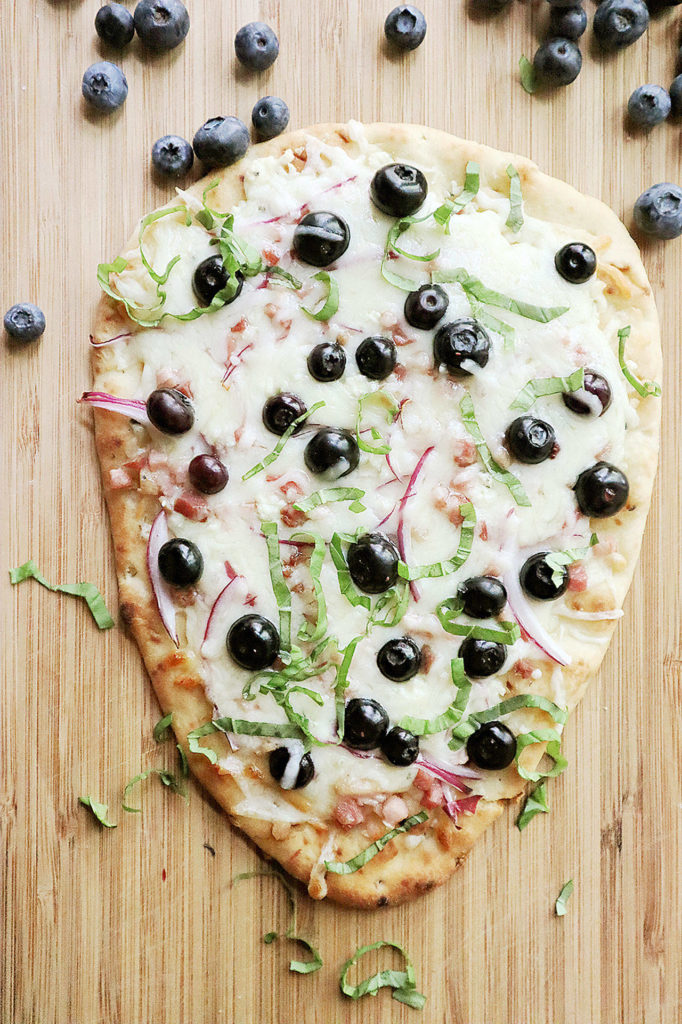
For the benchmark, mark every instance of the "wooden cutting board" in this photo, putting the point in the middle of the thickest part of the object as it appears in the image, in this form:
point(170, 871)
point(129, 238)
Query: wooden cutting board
point(140, 924)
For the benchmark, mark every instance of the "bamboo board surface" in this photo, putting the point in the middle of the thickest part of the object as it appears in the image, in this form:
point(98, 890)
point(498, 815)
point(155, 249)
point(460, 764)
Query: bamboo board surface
point(140, 924)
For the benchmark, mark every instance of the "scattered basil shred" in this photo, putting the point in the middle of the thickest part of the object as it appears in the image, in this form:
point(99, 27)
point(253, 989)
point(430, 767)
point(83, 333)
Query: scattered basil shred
point(553, 750)
point(88, 591)
point(556, 560)
point(510, 481)
point(539, 387)
point(515, 218)
point(452, 715)
point(330, 494)
point(162, 729)
point(470, 190)
point(528, 77)
point(101, 811)
point(307, 631)
point(392, 249)
point(241, 727)
point(277, 450)
point(173, 783)
point(490, 297)
point(403, 983)
point(341, 685)
point(450, 565)
point(502, 633)
point(536, 803)
point(346, 585)
point(279, 587)
point(348, 867)
point(464, 729)
point(287, 280)
point(642, 387)
point(561, 905)
point(381, 399)
point(331, 300)
point(297, 966)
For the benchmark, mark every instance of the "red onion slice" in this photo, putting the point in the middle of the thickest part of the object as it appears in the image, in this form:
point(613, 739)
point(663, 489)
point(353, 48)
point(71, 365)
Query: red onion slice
point(109, 341)
point(215, 609)
point(133, 408)
point(158, 535)
point(527, 620)
point(233, 362)
point(453, 778)
point(453, 808)
point(403, 536)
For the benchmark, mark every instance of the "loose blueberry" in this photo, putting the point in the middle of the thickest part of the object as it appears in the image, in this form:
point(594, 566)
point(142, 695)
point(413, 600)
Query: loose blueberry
point(483, 597)
point(398, 189)
point(576, 262)
point(104, 86)
point(558, 62)
point(426, 306)
point(405, 27)
point(210, 277)
point(24, 321)
point(170, 411)
point(648, 105)
point(161, 24)
point(365, 723)
point(618, 23)
point(530, 440)
point(221, 141)
point(269, 117)
point(327, 361)
point(482, 657)
point(675, 93)
point(492, 747)
point(399, 659)
point(658, 211)
point(172, 156)
point(601, 490)
point(278, 761)
point(580, 401)
point(321, 238)
point(256, 46)
point(207, 474)
point(332, 453)
point(537, 578)
point(253, 642)
point(373, 563)
point(114, 25)
point(461, 341)
point(280, 411)
point(180, 562)
point(567, 22)
point(376, 357)
point(400, 747)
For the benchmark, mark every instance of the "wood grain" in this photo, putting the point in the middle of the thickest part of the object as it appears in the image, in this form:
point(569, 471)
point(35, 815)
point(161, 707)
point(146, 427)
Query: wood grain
point(140, 924)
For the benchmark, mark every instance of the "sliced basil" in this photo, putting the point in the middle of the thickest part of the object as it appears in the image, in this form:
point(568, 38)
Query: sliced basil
point(402, 982)
point(514, 485)
point(241, 727)
point(502, 633)
point(493, 323)
point(101, 811)
point(238, 256)
point(536, 803)
point(452, 715)
point(297, 966)
point(184, 763)
point(553, 750)
point(88, 591)
point(558, 559)
point(307, 631)
point(287, 280)
point(377, 398)
point(162, 729)
point(167, 778)
point(397, 229)
point(490, 297)
point(341, 685)
point(348, 867)
point(390, 607)
point(346, 585)
point(560, 907)
point(330, 494)
point(529, 79)
point(296, 717)
point(515, 218)
point(277, 450)
point(642, 387)
point(539, 387)
point(305, 966)
point(471, 186)
point(331, 301)
point(279, 587)
point(464, 729)
point(437, 569)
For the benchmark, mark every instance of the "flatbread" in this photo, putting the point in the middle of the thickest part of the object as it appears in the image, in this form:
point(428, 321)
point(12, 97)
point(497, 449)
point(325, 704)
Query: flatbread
point(429, 854)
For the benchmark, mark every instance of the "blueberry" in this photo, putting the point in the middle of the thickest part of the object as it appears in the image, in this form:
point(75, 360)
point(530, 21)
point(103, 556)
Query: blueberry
point(594, 385)
point(459, 342)
point(483, 597)
point(492, 746)
point(567, 22)
point(376, 357)
point(576, 262)
point(161, 24)
point(658, 211)
point(172, 156)
point(221, 141)
point(280, 411)
point(207, 474)
point(253, 642)
point(426, 306)
point(278, 761)
point(180, 562)
point(321, 238)
point(481, 658)
point(269, 117)
point(530, 440)
point(114, 24)
point(601, 490)
point(327, 361)
point(210, 277)
point(24, 322)
point(618, 23)
point(365, 723)
point(398, 189)
point(256, 46)
point(400, 747)
point(104, 86)
point(405, 27)
point(675, 93)
point(538, 578)
point(373, 563)
point(399, 659)
point(558, 62)
point(332, 453)
point(170, 411)
point(648, 105)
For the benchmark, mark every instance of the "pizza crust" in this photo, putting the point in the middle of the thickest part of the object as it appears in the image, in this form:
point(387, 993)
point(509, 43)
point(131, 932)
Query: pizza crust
point(401, 870)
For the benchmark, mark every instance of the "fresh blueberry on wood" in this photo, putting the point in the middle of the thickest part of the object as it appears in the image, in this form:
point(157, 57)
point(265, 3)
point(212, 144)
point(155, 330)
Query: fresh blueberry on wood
point(172, 156)
point(332, 453)
point(280, 411)
point(675, 93)
point(170, 411)
point(399, 659)
point(24, 322)
point(557, 62)
point(114, 25)
point(405, 27)
point(104, 86)
point(567, 22)
point(649, 105)
point(658, 211)
point(365, 723)
point(601, 490)
point(483, 597)
point(180, 562)
point(530, 440)
point(576, 262)
point(459, 342)
point(492, 747)
point(398, 189)
point(619, 23)
point(482, 658)
point(593, 396)
point(221, 141)
point(537, 578)
point(278, 761)
point(426, 306)
point(161, 24)
point(373, 563)
point(376, 357)
point(210, 277)
point(256, 46)
point(253, 642)
point(400, 747)
point(269, 117)
point(207, 474)
point(321, 238)
point(327, 361)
